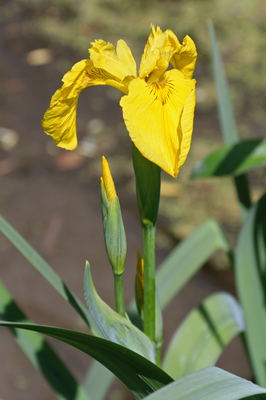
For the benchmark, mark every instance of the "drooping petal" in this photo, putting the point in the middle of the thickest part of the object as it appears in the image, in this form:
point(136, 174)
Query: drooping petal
point(59, 120)
point(185, 58)
point(152, 115)
point(120, 65)
point(185, 127)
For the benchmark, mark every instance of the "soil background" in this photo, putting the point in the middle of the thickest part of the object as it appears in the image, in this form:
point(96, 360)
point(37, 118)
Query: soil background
point(52, 197)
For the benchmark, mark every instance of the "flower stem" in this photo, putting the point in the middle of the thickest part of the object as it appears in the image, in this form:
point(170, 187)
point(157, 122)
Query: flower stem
point(119, 295)
point(148, 235)
point(158, 356)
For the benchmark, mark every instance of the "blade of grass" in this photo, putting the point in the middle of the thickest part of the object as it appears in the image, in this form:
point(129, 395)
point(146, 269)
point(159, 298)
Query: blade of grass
point(40, 353)
point(250, 271)
point(140, 375)
point(202, 336)
point(227, 118)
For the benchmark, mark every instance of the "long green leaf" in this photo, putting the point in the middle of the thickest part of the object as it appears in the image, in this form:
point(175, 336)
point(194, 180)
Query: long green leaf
point(203, 335)
point(48, 273)
point(140, 375)
point(227, 118)
point(40, 353)
point(234, 159)
point(250, 276)
point(209, 384)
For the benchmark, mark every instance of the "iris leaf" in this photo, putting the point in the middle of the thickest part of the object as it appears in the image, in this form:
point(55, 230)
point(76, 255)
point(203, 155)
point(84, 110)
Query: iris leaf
point(140, 375)
point(209, 384)
point(227, 118)
point(97, 381)
point(250, 272)
point(202, 336)
point(232, 159)
point(113, 326)
point(48, 273)
point(40, 353)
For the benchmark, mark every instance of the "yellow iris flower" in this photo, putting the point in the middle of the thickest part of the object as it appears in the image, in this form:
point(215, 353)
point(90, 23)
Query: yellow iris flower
point(158, 106)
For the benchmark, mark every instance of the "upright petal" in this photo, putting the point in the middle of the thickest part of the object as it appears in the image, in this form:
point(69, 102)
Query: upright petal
point(125, 56)
point(152, 115)
point(59, 120)
point(120, 65)
point(153, 52)
point(172, 44)
point(185, 58)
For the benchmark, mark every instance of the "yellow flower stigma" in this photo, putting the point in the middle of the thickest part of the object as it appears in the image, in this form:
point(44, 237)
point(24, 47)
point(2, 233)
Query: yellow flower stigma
point(158, 106)
point(107, 180)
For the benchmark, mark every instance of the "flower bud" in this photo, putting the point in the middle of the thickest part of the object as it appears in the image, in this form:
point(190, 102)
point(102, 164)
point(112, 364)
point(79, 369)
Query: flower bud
point(114, 232)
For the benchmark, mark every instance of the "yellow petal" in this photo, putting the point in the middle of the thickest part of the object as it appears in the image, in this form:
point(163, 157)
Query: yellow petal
point(153, 51)
point(125, 56)
point(152, 115)
point(120, 65)
point(185, 58)
point(185, 127)
point(107, 180)
point(59, 120)
point(172, 44)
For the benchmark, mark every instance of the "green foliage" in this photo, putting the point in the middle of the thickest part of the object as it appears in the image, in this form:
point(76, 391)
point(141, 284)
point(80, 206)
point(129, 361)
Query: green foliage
point(234, 159)
point(40, 353)
point(201, 338)
point(227, 119)
point(48, 273)
point(138, 374)
point(208, 384)
point(250, 271)
point(112, 326)
point(205, 332)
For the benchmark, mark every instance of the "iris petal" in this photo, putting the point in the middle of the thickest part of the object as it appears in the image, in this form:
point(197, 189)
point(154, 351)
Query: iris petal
point(120, 65)
point(153, 51)
point(185, 127)
point(152, 115)
point(185, 58)
point(59, 120)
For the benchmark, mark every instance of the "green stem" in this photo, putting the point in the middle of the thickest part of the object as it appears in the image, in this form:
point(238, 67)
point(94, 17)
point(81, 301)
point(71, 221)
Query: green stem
point(119, 295)
point(148, 235)
point(158, 356)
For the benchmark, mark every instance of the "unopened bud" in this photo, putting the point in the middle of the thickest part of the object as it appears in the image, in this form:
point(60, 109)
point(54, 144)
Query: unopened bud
point(114, 232)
